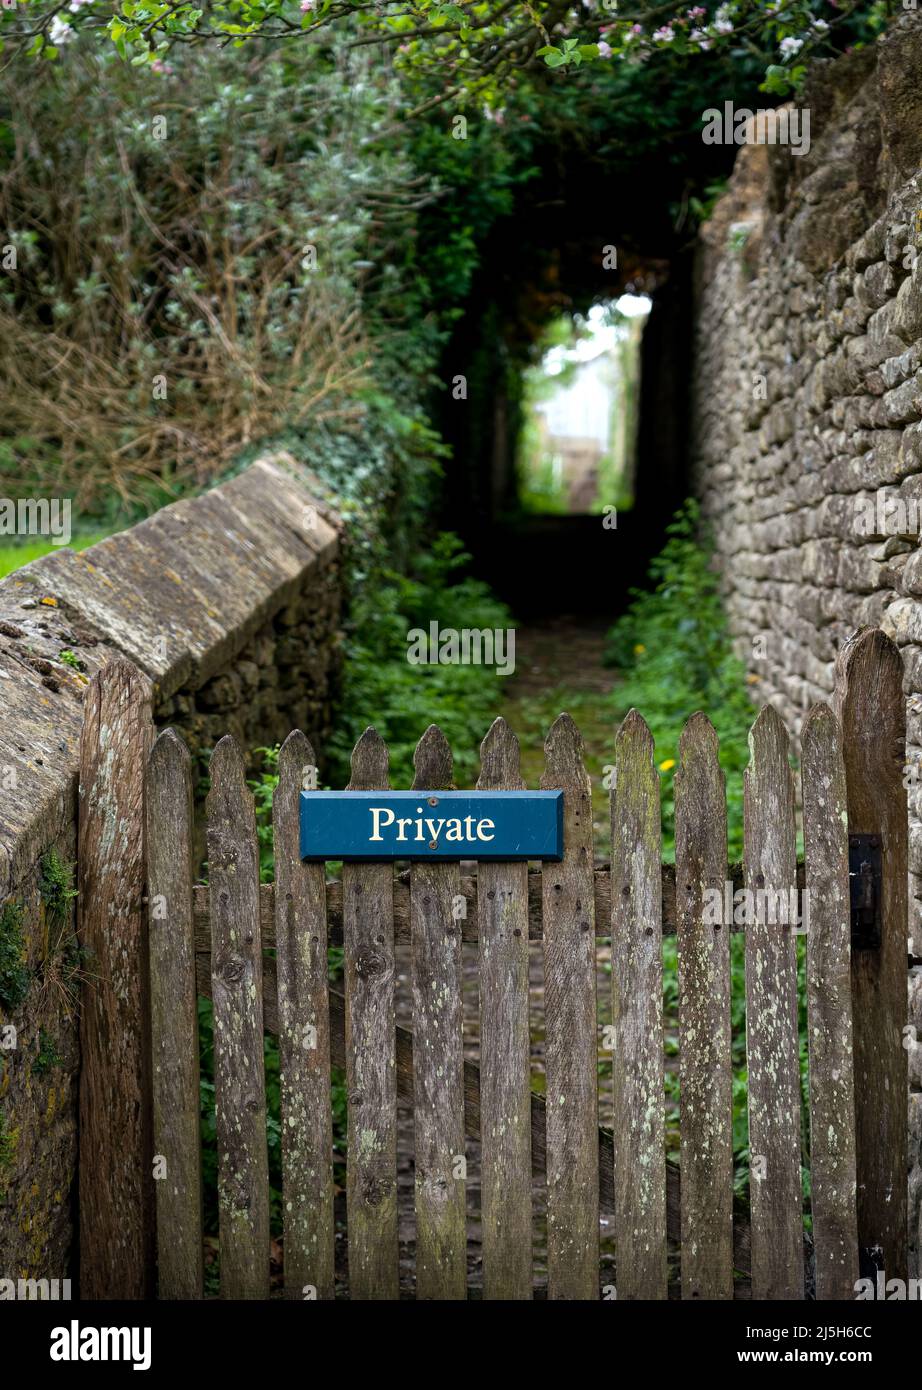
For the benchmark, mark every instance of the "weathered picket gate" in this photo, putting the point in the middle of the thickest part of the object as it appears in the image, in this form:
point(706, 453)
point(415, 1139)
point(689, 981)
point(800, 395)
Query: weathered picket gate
point(212, 941)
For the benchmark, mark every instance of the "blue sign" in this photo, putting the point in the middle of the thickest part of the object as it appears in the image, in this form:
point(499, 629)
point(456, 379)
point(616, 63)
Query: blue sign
point(432, 825)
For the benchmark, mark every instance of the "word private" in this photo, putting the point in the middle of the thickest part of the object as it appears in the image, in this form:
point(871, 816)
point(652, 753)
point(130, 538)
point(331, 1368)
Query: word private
point(432, 825)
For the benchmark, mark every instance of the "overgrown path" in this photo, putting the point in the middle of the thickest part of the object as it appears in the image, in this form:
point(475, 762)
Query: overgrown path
point(559, 666)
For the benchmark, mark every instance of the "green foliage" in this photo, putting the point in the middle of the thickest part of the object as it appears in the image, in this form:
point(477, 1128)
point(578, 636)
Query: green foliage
point(9, 1143)
point(48, 1055)
point(56, 887)
point(15, 977)
point(381, 686)
point(673, 648)
point(470, 49)
point(248, 269)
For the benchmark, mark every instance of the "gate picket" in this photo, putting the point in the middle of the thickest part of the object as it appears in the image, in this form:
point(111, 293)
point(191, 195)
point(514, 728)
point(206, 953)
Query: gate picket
point(872, 710)
point(771, 1019)
point(571, 1046)
point(240, 1088)
point(304, 1038)
point(438, 1056)
point(706, 1079)
point(505, 1082)
point(174, 1018)
point(116, 1188)
point(829, 1008)
point(637, 1017)
point(371, 1166)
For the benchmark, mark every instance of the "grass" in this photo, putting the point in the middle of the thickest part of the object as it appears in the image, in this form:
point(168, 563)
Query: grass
point(14, 555)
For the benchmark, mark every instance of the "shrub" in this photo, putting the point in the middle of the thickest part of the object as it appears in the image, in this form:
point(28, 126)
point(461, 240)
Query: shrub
point(673, 648)
point(225, 264)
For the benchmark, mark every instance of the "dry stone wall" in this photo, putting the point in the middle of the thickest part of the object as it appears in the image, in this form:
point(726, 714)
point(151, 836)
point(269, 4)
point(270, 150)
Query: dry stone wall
point(230, 602)
point(807, 406)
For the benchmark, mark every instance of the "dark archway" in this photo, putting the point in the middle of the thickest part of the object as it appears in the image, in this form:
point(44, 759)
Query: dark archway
point(547, 258)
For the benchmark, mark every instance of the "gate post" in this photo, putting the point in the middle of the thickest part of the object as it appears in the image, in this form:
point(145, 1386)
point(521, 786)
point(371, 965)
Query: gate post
point(115, 1178)
point(871, 708)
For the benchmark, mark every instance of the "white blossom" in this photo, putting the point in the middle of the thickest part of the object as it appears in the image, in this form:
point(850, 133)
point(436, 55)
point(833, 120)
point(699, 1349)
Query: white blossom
point(60, 32)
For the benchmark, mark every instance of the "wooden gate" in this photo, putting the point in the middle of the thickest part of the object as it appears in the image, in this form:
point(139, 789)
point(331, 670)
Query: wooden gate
point(261, 953)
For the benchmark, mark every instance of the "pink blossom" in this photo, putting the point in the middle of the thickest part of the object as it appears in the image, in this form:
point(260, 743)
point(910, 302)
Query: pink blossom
point(664, 35)
point(604, 49)
point(307, 6)
point(698, 12)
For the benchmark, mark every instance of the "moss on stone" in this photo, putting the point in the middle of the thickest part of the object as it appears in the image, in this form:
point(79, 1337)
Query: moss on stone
point(9, 1143)
point(57, 891)
point(14, 971)
point(48, 1055)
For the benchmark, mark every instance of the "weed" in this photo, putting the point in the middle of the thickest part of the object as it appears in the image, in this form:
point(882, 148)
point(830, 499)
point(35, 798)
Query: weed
point(15, 976)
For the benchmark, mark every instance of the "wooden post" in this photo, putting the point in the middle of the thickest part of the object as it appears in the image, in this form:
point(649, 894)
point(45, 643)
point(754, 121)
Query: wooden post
point(304, 1038)
point(438, 1073)
point(829, 1007)
point(637, 1017)
point(505, 1082)
point(571, 1051)
point(174, 1019)
point(115, 1177)
point(872, 712)
point(772, 1059)
point(371, 1165)
point(705, 1066)
point(239, 1075)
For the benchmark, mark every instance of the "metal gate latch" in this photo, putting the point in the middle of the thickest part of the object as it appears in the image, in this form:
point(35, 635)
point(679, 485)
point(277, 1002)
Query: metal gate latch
point(864, 881)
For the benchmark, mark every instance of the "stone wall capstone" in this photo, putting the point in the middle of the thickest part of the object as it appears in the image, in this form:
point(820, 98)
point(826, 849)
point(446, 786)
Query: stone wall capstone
point(230, 603)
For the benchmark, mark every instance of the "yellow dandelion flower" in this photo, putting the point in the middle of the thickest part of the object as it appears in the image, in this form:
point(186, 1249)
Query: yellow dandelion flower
point(639, 649)
point(667, 764)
